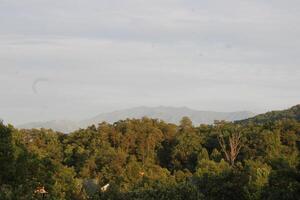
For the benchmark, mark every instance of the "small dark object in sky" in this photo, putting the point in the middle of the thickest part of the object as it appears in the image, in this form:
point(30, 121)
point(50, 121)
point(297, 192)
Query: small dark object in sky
point(36, 82)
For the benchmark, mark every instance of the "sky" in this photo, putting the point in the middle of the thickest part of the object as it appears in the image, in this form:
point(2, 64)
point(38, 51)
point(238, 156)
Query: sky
point(73, 59)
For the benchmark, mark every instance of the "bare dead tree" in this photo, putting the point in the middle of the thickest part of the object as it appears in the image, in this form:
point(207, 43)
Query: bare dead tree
point(232, 148)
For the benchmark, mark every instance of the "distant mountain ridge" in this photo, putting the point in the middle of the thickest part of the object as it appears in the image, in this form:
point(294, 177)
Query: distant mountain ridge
point(64, 126)
point(168, 114)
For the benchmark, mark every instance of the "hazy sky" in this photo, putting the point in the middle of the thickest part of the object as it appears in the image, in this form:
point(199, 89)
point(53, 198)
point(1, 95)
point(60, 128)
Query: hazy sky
point(72, 59)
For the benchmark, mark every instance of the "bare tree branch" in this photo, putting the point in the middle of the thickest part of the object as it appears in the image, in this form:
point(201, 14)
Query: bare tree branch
point(232, 149)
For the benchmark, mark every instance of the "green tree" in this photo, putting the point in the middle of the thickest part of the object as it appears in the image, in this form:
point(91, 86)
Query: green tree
point(7, 154)
point(187, 147)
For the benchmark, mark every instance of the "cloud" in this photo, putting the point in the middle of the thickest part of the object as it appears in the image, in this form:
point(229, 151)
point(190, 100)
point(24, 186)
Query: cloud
point(106, 55)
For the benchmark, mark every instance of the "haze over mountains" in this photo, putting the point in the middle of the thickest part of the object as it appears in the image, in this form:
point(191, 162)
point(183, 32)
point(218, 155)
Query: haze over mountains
point(168, 114)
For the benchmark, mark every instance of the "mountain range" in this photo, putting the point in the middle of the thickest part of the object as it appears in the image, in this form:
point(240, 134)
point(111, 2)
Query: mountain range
point(168, 114)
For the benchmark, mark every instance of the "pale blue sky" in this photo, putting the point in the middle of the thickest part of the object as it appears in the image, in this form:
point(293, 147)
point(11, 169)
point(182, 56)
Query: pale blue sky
point(72, 59)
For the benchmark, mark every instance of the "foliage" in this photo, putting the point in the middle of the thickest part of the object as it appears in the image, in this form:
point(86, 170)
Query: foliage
point(151, 159)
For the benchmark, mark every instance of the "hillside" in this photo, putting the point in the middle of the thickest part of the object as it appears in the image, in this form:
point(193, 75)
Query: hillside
point(291, 113)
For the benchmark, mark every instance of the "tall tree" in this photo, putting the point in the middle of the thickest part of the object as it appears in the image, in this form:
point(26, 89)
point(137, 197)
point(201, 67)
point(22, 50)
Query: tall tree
point(231, 143)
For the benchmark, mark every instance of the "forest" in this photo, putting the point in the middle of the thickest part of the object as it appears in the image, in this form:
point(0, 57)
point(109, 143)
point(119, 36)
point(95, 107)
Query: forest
point(151, 159)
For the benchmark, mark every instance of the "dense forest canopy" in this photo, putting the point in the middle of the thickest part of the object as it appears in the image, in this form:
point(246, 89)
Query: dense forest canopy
point(152, 159)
